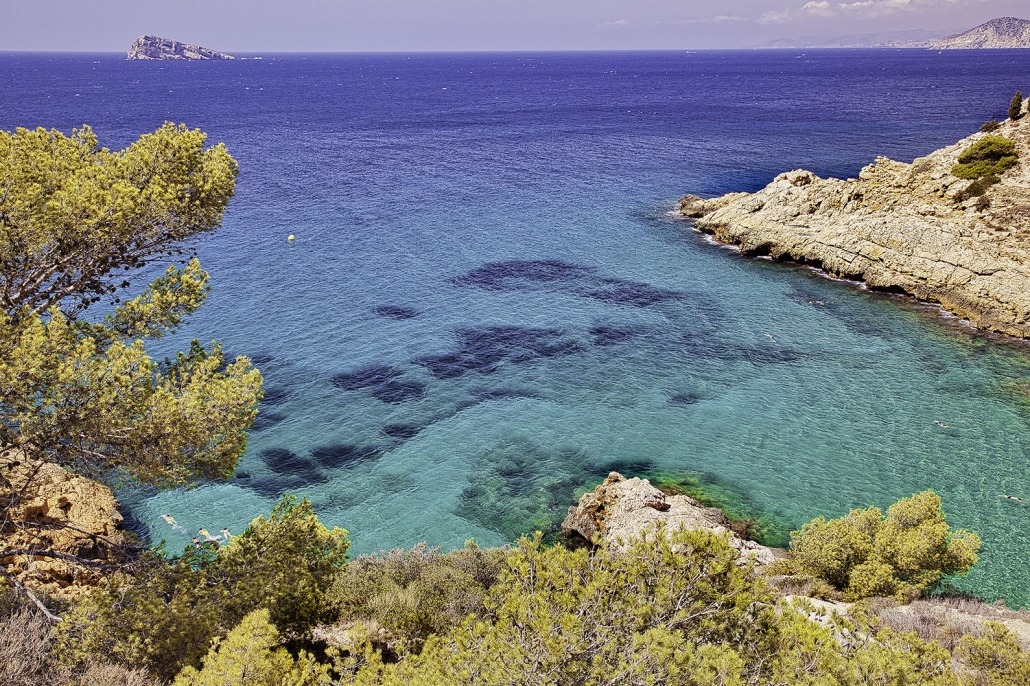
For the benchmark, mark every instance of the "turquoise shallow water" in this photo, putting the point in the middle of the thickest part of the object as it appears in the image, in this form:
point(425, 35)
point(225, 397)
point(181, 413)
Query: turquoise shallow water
point(490, 303)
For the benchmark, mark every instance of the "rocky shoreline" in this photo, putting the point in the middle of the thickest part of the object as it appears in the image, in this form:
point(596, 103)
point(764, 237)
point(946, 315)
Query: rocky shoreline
point(899, 228)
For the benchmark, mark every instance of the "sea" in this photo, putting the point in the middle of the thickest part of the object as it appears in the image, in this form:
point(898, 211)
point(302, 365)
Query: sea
point(490, 301)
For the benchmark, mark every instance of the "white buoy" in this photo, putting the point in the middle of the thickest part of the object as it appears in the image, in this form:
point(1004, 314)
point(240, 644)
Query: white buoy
point(290, 239)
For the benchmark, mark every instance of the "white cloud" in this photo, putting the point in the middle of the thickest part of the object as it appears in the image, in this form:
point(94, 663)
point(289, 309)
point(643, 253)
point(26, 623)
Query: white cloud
point(617, 22)
point(774, 17)
point(821, 8)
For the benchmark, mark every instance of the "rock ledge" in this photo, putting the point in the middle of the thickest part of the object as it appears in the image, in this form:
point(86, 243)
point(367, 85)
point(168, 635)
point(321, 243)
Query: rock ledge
point(898, 227)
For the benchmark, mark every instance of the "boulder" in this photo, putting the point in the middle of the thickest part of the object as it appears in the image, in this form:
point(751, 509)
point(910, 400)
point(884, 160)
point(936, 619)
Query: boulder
point(620, 509)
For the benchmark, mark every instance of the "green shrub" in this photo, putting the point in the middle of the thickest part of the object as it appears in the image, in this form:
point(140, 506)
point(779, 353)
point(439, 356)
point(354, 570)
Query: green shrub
point(977, 188)
point(672, 609)
point(418, 592)
point(989, 126)
point(164, 616)
point(865, 554)
point(250, 655)
point(1016, 106)
point(989, 156)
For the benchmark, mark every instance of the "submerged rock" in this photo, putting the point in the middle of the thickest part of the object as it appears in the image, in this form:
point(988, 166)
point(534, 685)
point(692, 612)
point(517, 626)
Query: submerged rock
point(155, 48)
point(620, 509)
point(898, 227)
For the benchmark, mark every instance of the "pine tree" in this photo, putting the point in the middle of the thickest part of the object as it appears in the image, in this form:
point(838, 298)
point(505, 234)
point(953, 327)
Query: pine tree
point(1016, 106)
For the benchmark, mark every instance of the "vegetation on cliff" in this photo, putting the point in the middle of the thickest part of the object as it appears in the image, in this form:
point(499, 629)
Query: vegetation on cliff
point(989, 156)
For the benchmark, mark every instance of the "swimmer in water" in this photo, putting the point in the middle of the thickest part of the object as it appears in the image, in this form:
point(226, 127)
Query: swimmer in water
point(172, 523)
point(943, 426)
point(208, 537)
point(1011, 497)
point(225, 534)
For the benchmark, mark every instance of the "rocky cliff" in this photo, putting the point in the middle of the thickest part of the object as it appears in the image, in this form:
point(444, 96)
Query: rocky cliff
point(898, 227)
point(620, 509)
point(155, 48)
point(1004, 32)
point(54, 511)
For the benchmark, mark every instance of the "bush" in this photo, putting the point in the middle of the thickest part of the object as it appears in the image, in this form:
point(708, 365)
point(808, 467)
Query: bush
point(865, 554)
point(989, 156)
point(415, 593)
point(165, 616)
point(1016, 106)
point(989, 126)
point(250, 655)
point(672, 609)
point(976, 189)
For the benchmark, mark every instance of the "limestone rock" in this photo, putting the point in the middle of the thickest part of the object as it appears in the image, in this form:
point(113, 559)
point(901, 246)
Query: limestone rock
point(620, 509)
point(898, 227)
point(155, 48)
point(61, 512)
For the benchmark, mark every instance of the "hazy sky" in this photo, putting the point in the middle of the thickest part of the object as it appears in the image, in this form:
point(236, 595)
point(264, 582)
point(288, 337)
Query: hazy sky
point(372, 25)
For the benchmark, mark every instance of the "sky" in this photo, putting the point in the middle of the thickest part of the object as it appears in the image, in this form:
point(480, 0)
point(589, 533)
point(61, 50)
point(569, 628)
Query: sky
point(255, 26)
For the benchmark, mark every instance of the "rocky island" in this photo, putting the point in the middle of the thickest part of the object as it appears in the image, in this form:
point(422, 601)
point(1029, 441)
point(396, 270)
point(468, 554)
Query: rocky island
point(1000, 33)
point(913, 228)
point(154, 48)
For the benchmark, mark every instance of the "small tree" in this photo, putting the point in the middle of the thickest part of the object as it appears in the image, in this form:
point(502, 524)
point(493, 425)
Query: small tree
point(1016, 106)
point(903, 554)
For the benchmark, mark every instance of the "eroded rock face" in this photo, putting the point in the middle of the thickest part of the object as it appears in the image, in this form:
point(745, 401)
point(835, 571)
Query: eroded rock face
point(156, 48)
point(620, 509)
point(60, 512)
point(898, 227)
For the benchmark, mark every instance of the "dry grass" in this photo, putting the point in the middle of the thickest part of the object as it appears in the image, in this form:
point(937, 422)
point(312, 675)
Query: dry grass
point(945, 619)
point(26, 658)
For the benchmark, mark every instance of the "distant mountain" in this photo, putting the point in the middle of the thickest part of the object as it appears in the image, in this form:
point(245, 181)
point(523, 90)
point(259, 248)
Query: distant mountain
point(863, 40)
point(1004, 32)
point(155, 48)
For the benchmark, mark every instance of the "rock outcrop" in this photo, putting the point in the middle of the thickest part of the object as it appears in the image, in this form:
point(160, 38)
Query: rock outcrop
point(56, 512)
point(1003, 32)
point(155, 48)
point(620, 509)
point(899, 227)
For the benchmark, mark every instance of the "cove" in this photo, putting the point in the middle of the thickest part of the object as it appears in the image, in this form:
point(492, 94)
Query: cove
point(489, 303)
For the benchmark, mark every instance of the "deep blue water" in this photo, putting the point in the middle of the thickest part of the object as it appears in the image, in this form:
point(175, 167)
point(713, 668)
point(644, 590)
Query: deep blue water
point(489, 303)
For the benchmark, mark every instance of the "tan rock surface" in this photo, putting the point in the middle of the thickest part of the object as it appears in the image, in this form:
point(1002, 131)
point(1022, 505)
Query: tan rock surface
point(56, 512)
point(620, 509)
point(898, 227)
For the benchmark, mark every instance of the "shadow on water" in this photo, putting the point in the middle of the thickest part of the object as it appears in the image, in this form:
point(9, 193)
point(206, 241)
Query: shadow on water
point(398, 312)
point(266, 419)
point(557, 276)
point(344, 454)
point(484, 349)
